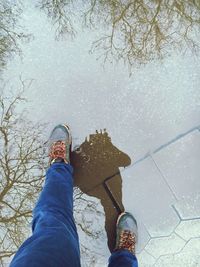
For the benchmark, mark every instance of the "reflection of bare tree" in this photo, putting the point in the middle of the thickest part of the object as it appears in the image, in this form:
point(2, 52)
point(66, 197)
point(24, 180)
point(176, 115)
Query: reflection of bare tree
point(143, 30)
point(22, 168)
point(10, 29)
point(21, 174)
point(134, 31)
point(89, 217)
point(61, 13)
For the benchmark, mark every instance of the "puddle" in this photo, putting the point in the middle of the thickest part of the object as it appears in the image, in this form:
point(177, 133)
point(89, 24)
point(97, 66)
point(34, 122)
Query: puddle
point(96, 165)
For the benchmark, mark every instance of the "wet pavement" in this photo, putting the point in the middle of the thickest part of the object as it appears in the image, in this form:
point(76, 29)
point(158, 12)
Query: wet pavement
point(151, 123)
point(161, 190)
point(166, 195)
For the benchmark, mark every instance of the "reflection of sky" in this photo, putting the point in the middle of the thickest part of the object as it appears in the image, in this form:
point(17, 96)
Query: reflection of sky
point(141, 112)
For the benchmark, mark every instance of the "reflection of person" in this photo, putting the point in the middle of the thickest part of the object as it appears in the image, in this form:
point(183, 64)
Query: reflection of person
point(97, 162)
point(54, 242)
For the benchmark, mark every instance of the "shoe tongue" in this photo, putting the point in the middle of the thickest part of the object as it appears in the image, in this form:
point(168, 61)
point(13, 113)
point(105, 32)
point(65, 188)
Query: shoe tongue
point(128, 224)
point(59, 134)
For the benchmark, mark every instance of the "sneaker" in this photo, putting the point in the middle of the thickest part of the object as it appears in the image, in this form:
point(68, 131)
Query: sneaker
point(126, 232)
point(59, 143)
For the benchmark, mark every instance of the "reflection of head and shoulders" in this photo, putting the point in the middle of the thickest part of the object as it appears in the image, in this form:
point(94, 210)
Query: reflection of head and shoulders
point(96, 159)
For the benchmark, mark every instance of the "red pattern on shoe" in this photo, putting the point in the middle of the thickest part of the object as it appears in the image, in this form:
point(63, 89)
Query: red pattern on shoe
point(127, 241)
point(58, 150)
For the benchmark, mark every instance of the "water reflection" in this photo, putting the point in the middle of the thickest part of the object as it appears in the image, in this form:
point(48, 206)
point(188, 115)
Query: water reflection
point(96, 165)
point(131, 31)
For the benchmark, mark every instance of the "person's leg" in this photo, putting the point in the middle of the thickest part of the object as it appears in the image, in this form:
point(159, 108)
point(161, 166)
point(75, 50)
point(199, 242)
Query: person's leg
point(126, 236)
point(54, 241)
point(122, 258)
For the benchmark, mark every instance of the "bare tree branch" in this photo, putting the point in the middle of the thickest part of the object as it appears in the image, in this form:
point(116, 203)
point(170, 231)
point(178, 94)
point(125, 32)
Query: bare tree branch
point(22, 172)
point(134, 31)
point(11, 30)
point(22, 167)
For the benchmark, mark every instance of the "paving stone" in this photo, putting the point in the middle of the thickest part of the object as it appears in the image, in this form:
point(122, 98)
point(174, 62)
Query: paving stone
point(147, 196)
point(145, 259)
point(188, 207)
point(179, 163)
point(143, 236)
point(189, 229)
point(165, 245)
point(192, 247)
point(188, 257)
point(179, 260)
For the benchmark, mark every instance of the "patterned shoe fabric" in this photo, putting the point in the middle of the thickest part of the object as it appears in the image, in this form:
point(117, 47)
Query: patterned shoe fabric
point(126, 232)
point(60, 142)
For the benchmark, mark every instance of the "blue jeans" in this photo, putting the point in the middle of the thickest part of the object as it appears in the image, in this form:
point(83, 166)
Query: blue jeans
point(54, 242)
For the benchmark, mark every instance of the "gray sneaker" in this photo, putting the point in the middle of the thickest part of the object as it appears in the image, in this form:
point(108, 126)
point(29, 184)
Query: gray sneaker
point(59, 143)
point(126, 232)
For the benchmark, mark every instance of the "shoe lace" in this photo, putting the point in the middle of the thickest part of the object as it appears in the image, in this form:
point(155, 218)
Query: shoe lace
point(58, 150)
point(127, 241)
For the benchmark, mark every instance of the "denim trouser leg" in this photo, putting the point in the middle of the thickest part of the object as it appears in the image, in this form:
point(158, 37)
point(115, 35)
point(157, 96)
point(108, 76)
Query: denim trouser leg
point(122, 258)
point(54, 242)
